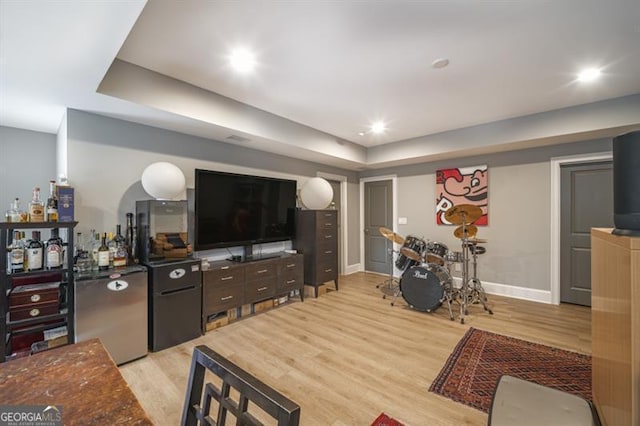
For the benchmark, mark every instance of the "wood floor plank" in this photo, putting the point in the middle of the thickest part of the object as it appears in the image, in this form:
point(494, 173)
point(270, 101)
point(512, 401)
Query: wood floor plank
point(349, 355)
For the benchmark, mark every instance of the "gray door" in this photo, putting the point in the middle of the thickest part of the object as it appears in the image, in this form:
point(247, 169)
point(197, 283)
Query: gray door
point(586, 202)
point(335, 204)
point(378, 212)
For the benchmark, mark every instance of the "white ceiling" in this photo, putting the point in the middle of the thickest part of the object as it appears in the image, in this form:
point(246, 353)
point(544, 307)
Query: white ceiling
point(331, 66)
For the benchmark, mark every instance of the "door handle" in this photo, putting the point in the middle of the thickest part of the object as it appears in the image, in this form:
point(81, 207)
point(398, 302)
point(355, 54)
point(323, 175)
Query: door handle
point(366, 230)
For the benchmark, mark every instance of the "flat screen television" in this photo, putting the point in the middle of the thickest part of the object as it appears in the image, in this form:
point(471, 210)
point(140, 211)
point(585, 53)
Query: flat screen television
point(241, 210)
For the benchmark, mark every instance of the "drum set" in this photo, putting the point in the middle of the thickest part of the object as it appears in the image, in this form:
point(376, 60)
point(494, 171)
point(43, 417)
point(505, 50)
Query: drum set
point(427, 281)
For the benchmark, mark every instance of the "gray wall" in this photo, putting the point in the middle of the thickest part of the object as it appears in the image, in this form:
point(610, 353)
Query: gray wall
point(106, 158)
point(518, 251)
point(27, 159)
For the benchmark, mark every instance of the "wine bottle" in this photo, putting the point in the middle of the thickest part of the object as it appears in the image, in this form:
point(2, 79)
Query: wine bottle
point(36, 207)
point(53, 250)
point(130, 238)
point(15, 254)
point(52, 203)
point(34, 250)
point(103, 254)
point(120, 255)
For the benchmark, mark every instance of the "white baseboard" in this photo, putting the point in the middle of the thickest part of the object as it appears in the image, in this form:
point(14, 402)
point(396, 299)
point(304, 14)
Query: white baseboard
point(531, 294)
point(352, 269)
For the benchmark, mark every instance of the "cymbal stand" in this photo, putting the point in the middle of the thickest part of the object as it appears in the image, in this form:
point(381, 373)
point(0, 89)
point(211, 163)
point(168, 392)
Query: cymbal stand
point(390, 286)
point(477, 293)
point(464, 289)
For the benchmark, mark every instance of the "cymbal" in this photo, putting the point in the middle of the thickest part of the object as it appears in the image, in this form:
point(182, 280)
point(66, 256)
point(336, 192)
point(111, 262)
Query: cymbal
point(411, 254)
point(466, 213)
point(477, 241)
point(391, 236)
point(471, 231)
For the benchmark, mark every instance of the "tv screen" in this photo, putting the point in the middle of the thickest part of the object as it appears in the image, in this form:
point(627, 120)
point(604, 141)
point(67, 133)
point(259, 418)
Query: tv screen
point(240, 210)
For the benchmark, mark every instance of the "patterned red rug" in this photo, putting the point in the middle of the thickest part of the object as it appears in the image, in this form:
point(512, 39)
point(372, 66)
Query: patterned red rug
point(481, 357)
point(384, 420)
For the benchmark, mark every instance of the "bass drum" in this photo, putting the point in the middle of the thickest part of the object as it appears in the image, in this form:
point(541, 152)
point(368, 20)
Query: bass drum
point(413, 245)
point(423, 288)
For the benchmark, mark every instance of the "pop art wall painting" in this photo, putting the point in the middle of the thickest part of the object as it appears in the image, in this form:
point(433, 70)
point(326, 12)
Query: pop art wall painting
point(464, 185)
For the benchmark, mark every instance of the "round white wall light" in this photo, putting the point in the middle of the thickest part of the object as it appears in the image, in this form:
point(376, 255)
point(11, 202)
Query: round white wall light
point(316, 194)
point(163, 181)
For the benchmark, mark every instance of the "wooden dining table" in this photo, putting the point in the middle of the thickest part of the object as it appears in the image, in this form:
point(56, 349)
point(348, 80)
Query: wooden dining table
point(80, 378)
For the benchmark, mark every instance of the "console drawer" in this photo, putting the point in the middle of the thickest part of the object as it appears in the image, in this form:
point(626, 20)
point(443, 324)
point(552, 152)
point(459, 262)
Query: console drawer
point(259, 290)
point(218, 298)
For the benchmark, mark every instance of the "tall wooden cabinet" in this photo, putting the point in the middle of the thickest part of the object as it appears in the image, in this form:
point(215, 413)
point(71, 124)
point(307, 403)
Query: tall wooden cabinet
point(317, 239)
point(36, 307)
point(615, 327)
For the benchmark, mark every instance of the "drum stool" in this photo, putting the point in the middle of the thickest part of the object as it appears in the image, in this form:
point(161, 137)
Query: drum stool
point(520, 402)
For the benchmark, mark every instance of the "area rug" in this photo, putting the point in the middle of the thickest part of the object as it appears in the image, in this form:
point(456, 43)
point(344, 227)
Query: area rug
point(471, 373)
point(384, 420)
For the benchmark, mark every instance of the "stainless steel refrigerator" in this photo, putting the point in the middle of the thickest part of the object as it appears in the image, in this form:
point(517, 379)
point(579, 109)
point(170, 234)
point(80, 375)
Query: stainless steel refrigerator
point(112, 306)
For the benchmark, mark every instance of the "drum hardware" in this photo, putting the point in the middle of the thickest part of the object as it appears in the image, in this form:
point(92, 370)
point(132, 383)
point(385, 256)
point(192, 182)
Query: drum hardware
point(390, 285)
point(469, 232)
point(411, 253)
point(471, 290)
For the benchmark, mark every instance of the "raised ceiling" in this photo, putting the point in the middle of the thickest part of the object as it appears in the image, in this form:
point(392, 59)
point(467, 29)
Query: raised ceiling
point(326, 70)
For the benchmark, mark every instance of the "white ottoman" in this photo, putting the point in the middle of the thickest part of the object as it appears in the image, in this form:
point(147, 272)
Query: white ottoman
point(519, 402)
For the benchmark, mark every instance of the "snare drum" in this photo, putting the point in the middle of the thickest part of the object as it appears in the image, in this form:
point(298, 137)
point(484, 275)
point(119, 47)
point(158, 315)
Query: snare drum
point(424, 287)
point(436, 253)
point(411, 252)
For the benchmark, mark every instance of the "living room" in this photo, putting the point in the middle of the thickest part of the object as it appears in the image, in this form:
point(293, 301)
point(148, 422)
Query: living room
point(112, 117)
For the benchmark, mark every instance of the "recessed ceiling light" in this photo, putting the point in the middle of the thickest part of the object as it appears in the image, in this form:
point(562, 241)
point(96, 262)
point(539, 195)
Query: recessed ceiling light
point(242, 60)
point(378, 127)
point(360, 133)
point(440, 63)
point(589, 74)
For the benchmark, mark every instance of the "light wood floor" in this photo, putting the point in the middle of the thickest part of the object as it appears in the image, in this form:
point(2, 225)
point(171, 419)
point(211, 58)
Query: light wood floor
point(347, 356)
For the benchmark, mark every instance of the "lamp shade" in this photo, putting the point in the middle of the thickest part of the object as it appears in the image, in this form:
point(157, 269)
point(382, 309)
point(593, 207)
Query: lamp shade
point(163, 181)
point(316, 194)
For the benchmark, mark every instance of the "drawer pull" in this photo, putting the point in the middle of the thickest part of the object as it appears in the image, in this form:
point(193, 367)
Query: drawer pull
point(225, 267)
point(328, 236)
point(328, 252)
point(262, 288)
point(291, 265)
point(291, 281)
point(328, 270)
point(262, 271)
point(226, 298)
point(328, 224)
point(230, 277)
point(327, 215)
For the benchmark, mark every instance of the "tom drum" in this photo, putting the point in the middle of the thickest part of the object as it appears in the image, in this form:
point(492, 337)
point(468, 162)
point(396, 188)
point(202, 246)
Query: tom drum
point(411, 252)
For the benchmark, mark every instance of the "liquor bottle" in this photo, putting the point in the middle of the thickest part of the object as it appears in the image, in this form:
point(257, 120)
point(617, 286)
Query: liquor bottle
point(111, 244)
point(34, 250)
point(15, 213)
point(103, 254)
point(15, 254)
point(94, 245)
point(36, 208)
point(52, 203)
point(130, 238)
point(120, 255)
point(53, 251)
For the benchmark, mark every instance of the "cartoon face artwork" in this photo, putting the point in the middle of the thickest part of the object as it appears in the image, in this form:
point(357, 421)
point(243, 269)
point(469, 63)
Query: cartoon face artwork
point(467, 185)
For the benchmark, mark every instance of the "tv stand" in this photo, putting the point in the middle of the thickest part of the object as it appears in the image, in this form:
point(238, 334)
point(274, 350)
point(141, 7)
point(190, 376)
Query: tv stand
point(228, 285)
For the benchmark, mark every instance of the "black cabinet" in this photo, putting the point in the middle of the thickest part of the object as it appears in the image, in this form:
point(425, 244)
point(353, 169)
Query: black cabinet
point(36, 306)
point(317, 240)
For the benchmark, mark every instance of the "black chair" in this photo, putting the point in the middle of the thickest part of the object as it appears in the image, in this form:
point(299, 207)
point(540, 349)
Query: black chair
point(250, 389)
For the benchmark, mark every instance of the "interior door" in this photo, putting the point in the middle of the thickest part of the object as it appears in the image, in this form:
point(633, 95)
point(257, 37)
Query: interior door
point(378, 212)
point(335, 204)
point(586, 202)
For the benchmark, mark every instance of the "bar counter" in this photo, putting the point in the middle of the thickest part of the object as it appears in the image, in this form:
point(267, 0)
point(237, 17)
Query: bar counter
point(81, 378)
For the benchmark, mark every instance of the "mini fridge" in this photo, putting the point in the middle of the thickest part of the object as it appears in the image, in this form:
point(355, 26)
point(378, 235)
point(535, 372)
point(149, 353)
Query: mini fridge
point(175, 302)
point(112, 306)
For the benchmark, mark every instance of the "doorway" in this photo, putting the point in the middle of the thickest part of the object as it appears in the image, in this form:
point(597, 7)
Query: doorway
point(586, 191)
point(556, 215)
point(377, 211)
